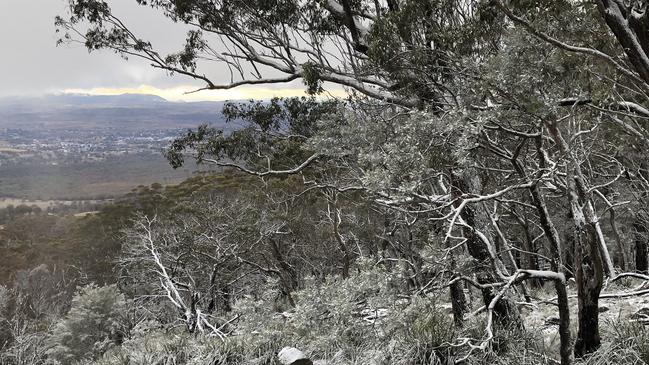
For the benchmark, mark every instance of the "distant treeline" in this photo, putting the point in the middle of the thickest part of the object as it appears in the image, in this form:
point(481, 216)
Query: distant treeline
point(12, 212)
point(87, 180)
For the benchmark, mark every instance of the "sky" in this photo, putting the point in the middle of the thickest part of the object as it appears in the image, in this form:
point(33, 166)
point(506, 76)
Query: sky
point(32, 64)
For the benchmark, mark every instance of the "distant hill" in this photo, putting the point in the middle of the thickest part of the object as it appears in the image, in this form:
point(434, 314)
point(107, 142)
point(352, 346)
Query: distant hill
point(123, 112)
point(106, 100)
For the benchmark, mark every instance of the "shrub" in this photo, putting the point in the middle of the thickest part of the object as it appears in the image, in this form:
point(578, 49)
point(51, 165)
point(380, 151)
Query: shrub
point(361, 320)
point(149, 346)
point(96, 322)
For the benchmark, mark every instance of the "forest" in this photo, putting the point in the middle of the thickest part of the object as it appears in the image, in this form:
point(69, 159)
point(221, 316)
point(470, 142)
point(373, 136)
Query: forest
point(480, 196)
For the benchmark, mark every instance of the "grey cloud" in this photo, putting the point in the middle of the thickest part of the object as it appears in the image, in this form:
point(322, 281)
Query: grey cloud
point(31, 63)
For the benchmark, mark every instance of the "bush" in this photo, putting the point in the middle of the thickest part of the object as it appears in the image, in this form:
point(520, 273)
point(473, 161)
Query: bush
point(151, 345)
point(364, 319)
point(422, 334)
point(96, 321)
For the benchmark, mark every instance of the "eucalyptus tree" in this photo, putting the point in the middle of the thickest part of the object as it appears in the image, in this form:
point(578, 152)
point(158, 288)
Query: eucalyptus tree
point(399, 52)
point(595, 99)
point(190, 264)
point(208, 252)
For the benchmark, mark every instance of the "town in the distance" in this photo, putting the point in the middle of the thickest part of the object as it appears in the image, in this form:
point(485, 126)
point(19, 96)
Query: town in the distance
point(81, 147)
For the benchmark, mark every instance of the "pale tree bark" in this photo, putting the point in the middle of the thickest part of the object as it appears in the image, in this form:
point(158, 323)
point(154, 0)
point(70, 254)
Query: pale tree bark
point(556, 264)
point(335, 219)
point(629, 22)
point(182, 296)
point(477, 223)
point(622, 256)
point(589, 265)
point(589, 276)
point(506, 248)
point(583, 193)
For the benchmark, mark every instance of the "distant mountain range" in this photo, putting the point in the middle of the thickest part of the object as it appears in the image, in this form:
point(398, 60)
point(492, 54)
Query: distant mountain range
point(84, 99)
point(123, 112)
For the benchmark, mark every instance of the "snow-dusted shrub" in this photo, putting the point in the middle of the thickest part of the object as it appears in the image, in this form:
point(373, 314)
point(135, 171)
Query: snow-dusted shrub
point(364, 319)
point(97, 320)
point(149, 344)
point(261, 331)
point(420, 334)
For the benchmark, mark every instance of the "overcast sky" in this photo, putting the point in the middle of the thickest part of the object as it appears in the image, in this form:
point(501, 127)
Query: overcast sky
point(32, 64)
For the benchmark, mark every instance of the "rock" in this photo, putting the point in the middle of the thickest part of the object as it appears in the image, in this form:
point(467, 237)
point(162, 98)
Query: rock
point(371, 315)
point(293, 356)
point(603, 308)
point(446, 308)
point(552, 321)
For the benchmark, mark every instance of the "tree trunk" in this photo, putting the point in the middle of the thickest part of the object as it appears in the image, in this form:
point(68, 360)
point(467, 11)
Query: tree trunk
point(621, 257)
point(560, 287)
point(589, 249)
point(589, 273)
point(458, 299)
point(507, 254)
point(593, 220)
point(220, 299)
point(287, 273)
point(335, 221)
point(569, 255)
point(589, 277)
point(528, 258)
point(640, 247)
point(506, 313)
point(630, 27)
point(564, 323)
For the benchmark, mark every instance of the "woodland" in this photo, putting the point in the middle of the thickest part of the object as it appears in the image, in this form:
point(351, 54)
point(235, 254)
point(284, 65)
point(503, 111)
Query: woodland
point(480, 196)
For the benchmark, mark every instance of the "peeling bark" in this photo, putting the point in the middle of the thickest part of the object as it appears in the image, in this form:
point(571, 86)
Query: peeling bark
point(589, 275)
